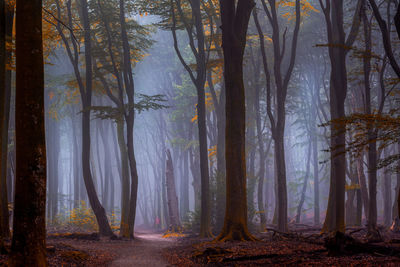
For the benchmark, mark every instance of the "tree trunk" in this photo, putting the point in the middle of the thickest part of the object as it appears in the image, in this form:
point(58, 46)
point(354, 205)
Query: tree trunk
point(76, 165)
point(303, 191)
point(86, 97)
point(4, 118)
point(315, 157)
point(125, 184)
point(334, 221)
point(6, 171)
point(261, 172)
point(363, 183)
point(235, 21)
point(281, 83)
point(185, 185)
point(395, 212)
point(29, 234)
point(372, 133)
point(387, 194)
point(173, 211)
point(221, 164)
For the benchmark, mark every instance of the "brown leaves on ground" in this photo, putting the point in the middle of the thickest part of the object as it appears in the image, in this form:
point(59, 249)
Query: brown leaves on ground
point(63, 252)
point(271, 251)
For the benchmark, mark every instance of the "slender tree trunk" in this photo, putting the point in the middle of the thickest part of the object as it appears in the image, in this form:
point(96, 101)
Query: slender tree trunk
point(221, 164)
point(303, 191)
point(107, 166)
point(129, 118)
point(372, 133)
point(29, 229)
point(76, 166)
point(363, 184)
point(86, 97)
point(387, 194)
point(261, 172)
point(6, 162)
point(395, 212)
point(125, 183)
point(4, 117)
point(315, 158)
point(173, 211)
point(185, 184)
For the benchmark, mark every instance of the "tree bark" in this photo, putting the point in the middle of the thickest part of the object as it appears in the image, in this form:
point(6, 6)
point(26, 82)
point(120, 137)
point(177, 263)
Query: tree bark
point(29, 235)
point(281, 83)
point(86, 97)
point(125, 183)
point(334, 221)
point(372, 133)
point(4, 115)
point(173, 210)
point(387, 194)
point(303, 191)
point(235, 20)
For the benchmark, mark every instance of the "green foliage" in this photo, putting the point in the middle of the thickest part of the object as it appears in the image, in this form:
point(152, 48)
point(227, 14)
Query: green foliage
point(145, 103)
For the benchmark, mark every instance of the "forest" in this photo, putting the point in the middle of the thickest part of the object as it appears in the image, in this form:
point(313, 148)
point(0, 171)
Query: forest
point(199, 133)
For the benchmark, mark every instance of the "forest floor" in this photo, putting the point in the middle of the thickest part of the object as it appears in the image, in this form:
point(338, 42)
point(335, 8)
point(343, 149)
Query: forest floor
point(305, 247)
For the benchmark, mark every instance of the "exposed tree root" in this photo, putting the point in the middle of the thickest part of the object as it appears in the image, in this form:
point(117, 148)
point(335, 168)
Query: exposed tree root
point(373, 235)
point(237, 233)
point(341, 244)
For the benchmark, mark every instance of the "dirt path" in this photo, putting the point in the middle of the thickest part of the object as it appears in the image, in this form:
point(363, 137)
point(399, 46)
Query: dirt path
point(145, 250)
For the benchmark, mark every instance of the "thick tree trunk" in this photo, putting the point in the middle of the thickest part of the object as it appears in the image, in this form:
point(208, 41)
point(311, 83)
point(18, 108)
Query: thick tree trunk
point(173, 211)
point(235, 21)
point(29, 229)
point(334, 221)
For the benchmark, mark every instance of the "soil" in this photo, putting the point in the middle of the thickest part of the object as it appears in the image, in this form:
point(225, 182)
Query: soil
point(305, 247)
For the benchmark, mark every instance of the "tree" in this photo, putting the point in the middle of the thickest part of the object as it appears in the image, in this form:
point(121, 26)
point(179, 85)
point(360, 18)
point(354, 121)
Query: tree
point(235, 19)
point(4, 225)
point(28, 243)
point(337, 46)
point(385, 30)
point(198, 80)
point(173, 211)
point(281, 83)
point(85, 89)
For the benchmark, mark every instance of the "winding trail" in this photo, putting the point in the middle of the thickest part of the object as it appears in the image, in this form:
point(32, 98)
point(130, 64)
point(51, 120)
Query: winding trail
point(145, 250)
